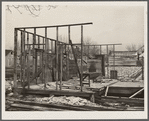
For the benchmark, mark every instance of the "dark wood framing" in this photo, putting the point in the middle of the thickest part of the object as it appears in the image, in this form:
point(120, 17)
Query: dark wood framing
point(34, 64)
point(37, 51)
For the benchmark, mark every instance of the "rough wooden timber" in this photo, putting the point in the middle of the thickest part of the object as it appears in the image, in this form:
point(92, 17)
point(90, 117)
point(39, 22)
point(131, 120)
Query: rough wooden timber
point(58, 106)
point(125, 91)
point(70, 107)
point(56, 25)
point(88, 94)
point(35, 108)
point(133, 102)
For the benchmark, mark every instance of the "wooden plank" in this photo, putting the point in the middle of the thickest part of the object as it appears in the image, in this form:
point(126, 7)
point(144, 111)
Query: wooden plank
point(28, 62)
point(58, 92)
point(33, 50)
point(42, 66)
point(75, 58)
point(68, 52)
point(52, 51)
point(43, 42)
point(101, 44)
point(38, 42)
point(38, 108)
point(38, 35)
point(81, 79)
point(56, 26)
point(34, 44)
point(57, 106)
point(114, 57)
point(21, 61)
point(129, 101)
point(100, 50)
point(92, 98)
point(46, 59)
point(136, 93)
point(106, 91)
point(23, 58)
point(36, 65)
point(70, 107)
point(15, 60)
point(56, 47)
point(61, 68)
point(123, 91)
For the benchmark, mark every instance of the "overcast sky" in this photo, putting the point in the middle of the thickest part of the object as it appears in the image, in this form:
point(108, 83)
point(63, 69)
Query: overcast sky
point(111, 24)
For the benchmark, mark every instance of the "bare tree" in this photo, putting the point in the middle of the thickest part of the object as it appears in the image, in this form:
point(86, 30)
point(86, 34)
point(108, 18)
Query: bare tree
point(131, 47)
point(90, 50)
point(33, 10)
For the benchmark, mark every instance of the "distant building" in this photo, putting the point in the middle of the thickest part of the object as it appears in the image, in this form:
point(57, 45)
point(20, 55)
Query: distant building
point(9, 58)
point(123, 53)
point(123, 58)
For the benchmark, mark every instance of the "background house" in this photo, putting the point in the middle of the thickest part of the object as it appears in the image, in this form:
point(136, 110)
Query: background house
point(123, 58)
point(9, 58)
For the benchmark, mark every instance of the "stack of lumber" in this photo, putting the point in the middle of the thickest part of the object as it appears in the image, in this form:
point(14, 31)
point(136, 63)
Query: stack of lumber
point(123, 71)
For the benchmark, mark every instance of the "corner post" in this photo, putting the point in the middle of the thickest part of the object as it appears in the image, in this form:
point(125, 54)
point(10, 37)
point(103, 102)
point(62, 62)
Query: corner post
point(15, 60)
point(56, 48)
point(81, 79)
point(107, 62)
point(46, 58)
point(114, 57)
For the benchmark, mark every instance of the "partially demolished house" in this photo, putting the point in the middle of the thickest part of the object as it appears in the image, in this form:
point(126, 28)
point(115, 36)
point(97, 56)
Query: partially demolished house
point(48, 67)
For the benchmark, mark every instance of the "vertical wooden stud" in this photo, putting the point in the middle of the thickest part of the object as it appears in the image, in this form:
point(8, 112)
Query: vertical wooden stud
point(56, 44)
point(114, 57)
point(34, 56)
point(94, 50)
point(15, 60)
point(100, 49)
point(88, 51)
point(81, 57)
point(23, 59)
point(61, 68)
point(38, 42)
point(51, 46)
point(43, 42)
point(21, 62)
point(107, 62)
point(28, 61)
point(68, 53)
point(46, 58)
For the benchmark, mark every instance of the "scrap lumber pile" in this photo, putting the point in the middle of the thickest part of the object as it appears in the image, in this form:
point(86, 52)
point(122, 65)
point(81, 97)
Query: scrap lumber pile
point(34, 102)
point(125, 73)
point(71, 100)
point(9, 88)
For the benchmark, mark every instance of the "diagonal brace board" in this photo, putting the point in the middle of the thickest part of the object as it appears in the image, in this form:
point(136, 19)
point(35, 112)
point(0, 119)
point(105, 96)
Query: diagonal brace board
point(75, 58)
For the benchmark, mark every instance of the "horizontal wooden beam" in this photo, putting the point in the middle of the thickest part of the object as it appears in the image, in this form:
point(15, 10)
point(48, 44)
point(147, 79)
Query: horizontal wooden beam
point(58, 92)
point(34, 107)
point(97, 44)
point(65, 25)
point(41, 36)
point(69, 107)
point(34, 44)
point(57, 106)
point(103, 44)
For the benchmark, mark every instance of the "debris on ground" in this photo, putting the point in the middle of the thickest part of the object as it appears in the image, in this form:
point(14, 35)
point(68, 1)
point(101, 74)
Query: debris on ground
point(112, 104)
point(9, 88)
point(123, 71)
point(71, 100)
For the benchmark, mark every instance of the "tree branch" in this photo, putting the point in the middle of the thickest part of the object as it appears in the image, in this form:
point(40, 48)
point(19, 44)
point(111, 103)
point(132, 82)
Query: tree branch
point(32, 9)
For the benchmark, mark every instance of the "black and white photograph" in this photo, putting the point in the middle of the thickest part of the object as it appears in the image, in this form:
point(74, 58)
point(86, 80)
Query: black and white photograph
point(74, 60)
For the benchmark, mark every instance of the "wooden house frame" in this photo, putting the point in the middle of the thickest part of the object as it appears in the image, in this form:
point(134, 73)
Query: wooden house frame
point(47, 48)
